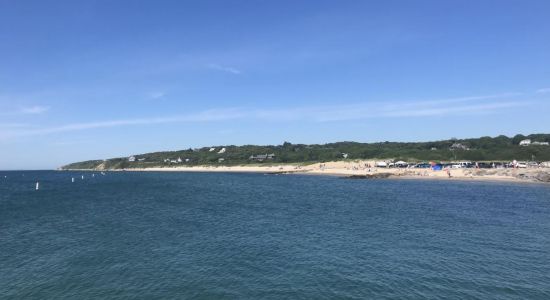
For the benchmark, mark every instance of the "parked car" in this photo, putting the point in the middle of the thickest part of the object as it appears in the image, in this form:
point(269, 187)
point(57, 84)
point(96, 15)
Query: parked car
point(462, 164)
point(532, 164)
point(521, 164)
point(484, 165)
point(422, 166)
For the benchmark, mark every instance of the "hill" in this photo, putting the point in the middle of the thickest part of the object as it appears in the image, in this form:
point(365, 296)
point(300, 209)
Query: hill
point(500, 148)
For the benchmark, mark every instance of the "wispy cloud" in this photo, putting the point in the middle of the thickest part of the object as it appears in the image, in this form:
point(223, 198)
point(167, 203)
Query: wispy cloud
point(204, 116)
point(224, 69)
point(71, 143)
point(487, 104)
point(33, 110)
point(486, 108)
point(543, 91)
point(24, 110)
point(13, 125)
point(448, 101)
point(490, 104)
point(372, 111)
point(157, 95)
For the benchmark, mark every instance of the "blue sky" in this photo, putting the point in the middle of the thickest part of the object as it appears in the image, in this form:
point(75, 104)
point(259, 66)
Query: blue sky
point(97, 79)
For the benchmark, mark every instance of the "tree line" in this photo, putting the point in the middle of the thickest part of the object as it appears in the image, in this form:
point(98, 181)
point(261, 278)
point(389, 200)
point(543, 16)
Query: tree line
point(500, 148)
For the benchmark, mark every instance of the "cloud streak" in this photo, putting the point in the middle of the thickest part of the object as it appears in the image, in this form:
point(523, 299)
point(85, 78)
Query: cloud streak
point(543, 91)
point(449, 101)
point(24, 110)
point(13, 125)
point(34, 110)
point(204, 116)
point(332, 113)
point(224, 69)
point(157, 95)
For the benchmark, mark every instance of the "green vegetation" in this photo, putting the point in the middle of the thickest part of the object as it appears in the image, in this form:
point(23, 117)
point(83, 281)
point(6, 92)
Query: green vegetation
point(500, 148)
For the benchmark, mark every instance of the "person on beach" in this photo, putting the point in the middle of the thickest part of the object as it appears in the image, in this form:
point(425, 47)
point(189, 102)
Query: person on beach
point(448, 172)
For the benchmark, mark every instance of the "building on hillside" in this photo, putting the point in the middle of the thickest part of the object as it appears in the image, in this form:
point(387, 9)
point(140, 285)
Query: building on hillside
point(525, 142)
point(345, 155)
point(221, 159)
point(131, 158)
point(222, 150)
point(262, 157)
point(458, 146)
point(212, 150)
point(528, 142)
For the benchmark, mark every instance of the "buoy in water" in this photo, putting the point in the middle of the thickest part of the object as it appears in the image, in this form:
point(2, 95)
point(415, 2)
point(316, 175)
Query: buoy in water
point(37, 185)
point(82, 177)
point(72, 179)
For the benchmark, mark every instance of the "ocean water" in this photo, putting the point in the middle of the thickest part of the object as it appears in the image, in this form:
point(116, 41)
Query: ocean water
point(253, 236)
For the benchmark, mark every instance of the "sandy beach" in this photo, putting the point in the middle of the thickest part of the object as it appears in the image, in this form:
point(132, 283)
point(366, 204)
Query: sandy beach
point(360, 169)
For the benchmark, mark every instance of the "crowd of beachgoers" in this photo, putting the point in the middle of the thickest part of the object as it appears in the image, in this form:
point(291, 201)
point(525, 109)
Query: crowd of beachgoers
point(511, 171)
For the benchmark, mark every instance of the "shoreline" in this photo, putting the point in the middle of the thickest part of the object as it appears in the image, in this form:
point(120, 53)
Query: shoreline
point(355, 170)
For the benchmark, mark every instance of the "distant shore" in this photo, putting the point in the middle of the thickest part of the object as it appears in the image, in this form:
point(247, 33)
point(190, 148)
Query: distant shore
point(360, 169)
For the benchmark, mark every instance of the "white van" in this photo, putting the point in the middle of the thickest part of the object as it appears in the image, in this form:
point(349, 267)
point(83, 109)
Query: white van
point(461, 164)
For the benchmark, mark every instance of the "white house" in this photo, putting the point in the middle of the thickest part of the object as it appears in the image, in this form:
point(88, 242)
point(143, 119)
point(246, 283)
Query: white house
point(345, 155)
point(131, 158)
point(459, 146)
point(262, 157)
point(540, 143)
point(212, 150)
point(526, 142)
point(221, 151)
point(179, 159)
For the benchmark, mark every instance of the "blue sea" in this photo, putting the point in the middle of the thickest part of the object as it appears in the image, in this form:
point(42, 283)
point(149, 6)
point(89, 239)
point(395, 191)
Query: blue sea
point(132, 235)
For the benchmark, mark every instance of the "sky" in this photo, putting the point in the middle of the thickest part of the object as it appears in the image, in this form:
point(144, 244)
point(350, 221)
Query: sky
point(84, 80)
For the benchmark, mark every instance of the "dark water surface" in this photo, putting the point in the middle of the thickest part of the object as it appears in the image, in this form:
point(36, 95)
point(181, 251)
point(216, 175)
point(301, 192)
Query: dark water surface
point(252, 236)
